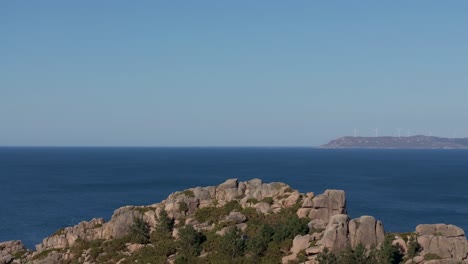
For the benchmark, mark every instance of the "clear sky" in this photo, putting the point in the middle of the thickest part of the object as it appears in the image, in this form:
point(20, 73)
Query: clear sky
point(229, 73)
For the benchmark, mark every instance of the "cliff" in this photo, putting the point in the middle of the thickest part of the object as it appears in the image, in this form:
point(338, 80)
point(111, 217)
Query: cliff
point(413, 142)
point(242, 222)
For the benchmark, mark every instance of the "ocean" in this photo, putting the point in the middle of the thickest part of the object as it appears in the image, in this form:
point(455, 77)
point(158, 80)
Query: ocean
point(45, 189)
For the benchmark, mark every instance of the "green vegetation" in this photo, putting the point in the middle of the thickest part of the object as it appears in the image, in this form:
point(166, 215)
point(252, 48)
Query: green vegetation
point(252, 201)
point(44, 254)
point(183, 207)
point(431, 256)
point(144, 209)
point(189, 193)
point(139, 231)
point(19, 254)
point(268, 200)
point(413, 247)
point(214, 214)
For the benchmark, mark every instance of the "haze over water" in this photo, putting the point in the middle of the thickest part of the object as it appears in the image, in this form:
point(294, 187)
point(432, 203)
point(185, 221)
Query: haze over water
point(44, 189)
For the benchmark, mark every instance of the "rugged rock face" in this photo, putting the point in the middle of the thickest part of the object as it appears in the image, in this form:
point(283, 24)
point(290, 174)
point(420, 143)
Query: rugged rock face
point(366, 230)
point(446, 241)
point(329, 226)
point(11, 249)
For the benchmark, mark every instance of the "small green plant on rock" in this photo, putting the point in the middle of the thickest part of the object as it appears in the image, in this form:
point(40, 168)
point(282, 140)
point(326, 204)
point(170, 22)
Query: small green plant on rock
point(413, 247)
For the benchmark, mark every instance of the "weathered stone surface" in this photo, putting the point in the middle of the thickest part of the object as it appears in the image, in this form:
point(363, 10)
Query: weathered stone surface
point(292, 199)
point(330, 203)
point(303, 212)
point(9, 248)
point(446, 241)
point(300, 243)
point(134, 247)
point(263, 207)
point(366, 230)
point(66, 237)
point(314, 250)
point(6, 259)
point(439, 230)
point(335, 236)
point(400, 242)
point(120, 223)
point(235, 217)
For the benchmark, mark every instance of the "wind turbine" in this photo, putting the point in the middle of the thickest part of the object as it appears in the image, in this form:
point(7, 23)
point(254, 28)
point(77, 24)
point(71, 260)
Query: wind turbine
point(399, 131)
point(355, 132)
point(376, 132)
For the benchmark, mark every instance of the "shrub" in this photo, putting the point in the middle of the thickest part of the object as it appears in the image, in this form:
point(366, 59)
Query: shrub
point(258, 244)
point(189, 193)
point(190, 242)
point(268, 200)
point(413, 247)
point(183, 207)
point(213, 214)
point(431, 256)
point(231, 244)
point(326, 257)
point(144, 209)
point(290, 227)
point(252, 201)
point(139, 231)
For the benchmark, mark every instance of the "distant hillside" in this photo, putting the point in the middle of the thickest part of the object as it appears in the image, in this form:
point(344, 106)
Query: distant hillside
point(413, 142)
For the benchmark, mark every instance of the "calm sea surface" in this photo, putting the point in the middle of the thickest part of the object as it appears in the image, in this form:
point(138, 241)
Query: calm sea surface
point(44, 189)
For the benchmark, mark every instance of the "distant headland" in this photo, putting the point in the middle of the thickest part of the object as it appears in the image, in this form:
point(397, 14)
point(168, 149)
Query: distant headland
point(412, 142)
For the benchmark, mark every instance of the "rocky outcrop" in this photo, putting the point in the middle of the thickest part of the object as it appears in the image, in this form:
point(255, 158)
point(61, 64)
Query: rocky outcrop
point(66, 237)
point(9, 249)
point(323, 206)
point(326, 215)
point(335, 236)
point(448, 242)
point(366, 230)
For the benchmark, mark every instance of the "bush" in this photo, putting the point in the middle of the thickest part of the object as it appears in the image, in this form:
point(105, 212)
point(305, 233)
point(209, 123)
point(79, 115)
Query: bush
point(413, 247)
point(258, 244)
point(214, 214)
point(268, 200)
point(291, 227)
point(164, 227)
point(190, 242)
point(189, 193)
point(139, 231)
point(431, 256)
point(183, 207)
point(232, 244)
point(252, 201)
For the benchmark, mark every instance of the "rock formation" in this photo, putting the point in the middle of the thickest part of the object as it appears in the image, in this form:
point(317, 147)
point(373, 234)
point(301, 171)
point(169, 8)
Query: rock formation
point(329, 226)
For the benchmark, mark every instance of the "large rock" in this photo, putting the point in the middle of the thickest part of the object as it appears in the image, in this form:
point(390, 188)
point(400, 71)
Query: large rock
point(66, 237)
point(8, 249)
point(335, 236)
point(439, 230)
point(331, 202)
point(299, 243)
point(121, 222)
point(446, 241)
point(366, 230)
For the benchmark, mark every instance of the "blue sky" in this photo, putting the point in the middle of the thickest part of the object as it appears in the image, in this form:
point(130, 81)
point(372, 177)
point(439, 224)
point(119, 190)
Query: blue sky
point(229, 73)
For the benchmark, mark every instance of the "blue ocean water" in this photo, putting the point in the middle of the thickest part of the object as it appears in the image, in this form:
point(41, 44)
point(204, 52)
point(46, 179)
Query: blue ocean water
point(44, 189)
